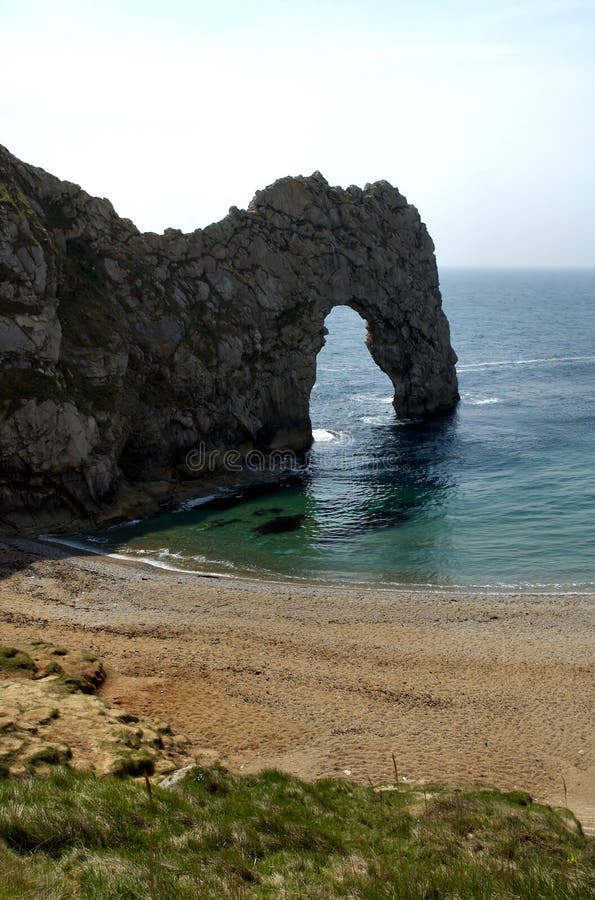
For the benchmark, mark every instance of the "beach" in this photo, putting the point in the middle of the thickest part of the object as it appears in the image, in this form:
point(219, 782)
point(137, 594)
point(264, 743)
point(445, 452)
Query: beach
point(469, 689)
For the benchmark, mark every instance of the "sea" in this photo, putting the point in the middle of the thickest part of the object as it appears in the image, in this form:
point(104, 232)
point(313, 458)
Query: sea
point(498, 495)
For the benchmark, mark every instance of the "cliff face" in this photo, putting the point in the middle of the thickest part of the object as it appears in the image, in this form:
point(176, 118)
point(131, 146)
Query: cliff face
point(121, 351)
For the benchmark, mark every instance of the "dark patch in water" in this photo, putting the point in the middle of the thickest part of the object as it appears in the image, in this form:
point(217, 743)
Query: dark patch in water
point(251, 492)
point(281, 524)
point(221, 523)
point(272, 510)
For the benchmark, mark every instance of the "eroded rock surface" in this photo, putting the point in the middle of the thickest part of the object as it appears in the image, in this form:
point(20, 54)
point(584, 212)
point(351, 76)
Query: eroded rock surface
point(122, 351)
point(51, 715)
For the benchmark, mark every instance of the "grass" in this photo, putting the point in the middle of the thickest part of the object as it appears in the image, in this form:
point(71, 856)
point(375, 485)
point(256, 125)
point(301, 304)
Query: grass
point(6, 197)
point(12, 659)
point(216, 835)
point(51, 756)
point(134, 764)
point(88, 673)
point(22, 206)
point(71, 683)
point(85, 683)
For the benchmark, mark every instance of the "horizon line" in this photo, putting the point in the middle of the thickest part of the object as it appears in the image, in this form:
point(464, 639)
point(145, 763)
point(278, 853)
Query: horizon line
point(523, 267)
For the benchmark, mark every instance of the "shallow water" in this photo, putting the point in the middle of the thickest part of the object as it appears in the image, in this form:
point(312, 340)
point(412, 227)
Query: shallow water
point(499, 494)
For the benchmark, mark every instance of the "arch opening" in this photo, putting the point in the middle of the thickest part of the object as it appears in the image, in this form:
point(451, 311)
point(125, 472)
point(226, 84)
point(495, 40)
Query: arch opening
point(350, 387)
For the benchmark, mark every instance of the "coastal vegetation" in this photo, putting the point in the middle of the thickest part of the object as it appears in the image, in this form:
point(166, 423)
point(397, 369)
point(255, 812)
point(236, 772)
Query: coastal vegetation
point(97, 803)
point(215, 834)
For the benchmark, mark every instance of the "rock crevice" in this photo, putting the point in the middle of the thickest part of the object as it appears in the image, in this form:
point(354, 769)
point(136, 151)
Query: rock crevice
point(121, 351)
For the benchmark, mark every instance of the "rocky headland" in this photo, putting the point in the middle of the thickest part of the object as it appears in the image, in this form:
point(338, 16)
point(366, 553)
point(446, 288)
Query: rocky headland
point(120, 352)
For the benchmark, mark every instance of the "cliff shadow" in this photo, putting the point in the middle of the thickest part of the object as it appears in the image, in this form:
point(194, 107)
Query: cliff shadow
point(18, 554)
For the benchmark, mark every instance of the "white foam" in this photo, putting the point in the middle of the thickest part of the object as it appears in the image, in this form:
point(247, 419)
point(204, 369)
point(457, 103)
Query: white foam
point(375, 420)
point(195, 501)
point(322, 436)
point(158, 564)
point(371, 398)
point(480, 401)
point(166, 553)
point(124, 524)
point(155, 563)
point(526, 362)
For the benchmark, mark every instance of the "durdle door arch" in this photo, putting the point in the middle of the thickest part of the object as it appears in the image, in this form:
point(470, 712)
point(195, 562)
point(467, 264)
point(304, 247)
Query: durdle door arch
point(122, 351)
point(367, 250)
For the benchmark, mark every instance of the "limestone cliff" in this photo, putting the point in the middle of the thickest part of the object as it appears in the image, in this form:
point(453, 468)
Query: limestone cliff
point(121, 351)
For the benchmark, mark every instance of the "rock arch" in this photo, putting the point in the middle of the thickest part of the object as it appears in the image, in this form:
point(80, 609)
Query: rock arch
point(122, 351)
point(366, 249)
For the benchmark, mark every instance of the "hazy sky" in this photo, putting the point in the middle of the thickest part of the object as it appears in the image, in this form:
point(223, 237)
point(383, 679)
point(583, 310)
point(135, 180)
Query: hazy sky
point(483, 114)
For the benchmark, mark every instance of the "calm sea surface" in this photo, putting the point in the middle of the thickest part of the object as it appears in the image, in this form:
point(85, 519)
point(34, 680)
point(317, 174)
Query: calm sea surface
point(499, 494)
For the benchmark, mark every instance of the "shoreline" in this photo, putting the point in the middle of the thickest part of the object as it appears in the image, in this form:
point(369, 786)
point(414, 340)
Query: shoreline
point(262, 579)
point(464, 687)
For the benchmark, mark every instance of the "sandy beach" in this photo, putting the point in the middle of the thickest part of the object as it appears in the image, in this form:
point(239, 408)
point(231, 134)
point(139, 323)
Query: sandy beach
point(463, 688)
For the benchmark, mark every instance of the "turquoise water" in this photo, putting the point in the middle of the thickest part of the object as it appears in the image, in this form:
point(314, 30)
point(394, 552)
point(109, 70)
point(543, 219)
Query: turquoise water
point(499, 494)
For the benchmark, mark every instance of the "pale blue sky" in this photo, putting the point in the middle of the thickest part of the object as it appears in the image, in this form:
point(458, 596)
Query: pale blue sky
point(481, 113)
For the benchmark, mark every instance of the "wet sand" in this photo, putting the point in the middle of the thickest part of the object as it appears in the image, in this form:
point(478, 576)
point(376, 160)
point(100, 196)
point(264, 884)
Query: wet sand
point(465, 688)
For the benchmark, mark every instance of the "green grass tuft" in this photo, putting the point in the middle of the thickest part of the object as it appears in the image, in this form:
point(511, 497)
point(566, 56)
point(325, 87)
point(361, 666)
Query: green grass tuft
point(51, 756)
point(12, 659)
point(134, 764)
point(85, 682)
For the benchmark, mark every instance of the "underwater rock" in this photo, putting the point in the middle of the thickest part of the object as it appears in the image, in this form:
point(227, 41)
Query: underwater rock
point(281, 524)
